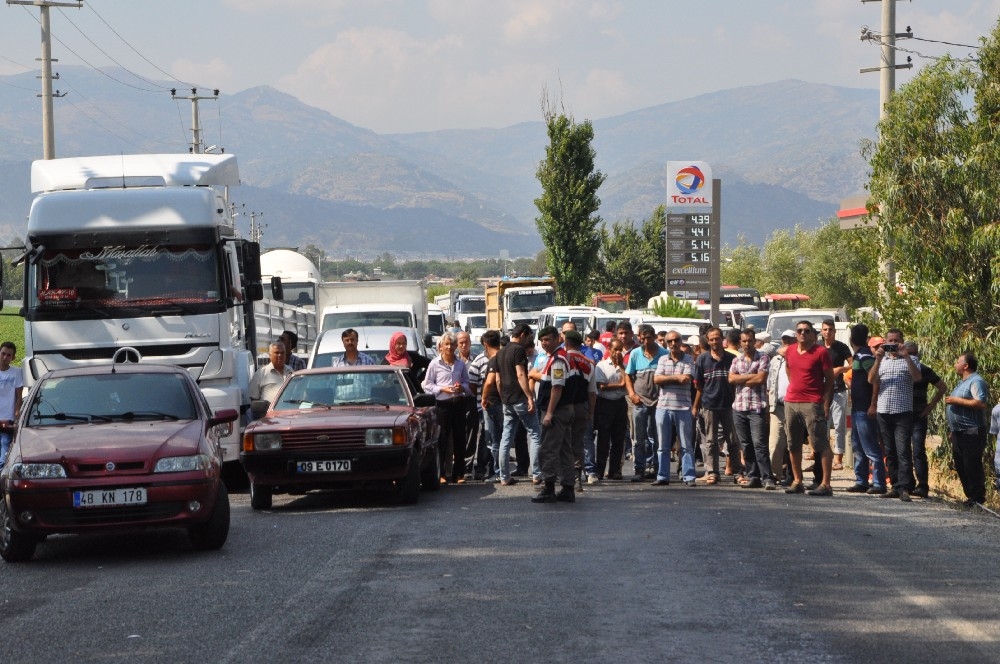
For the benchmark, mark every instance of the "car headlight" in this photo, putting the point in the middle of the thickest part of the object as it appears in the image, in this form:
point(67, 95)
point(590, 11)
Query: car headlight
point(37, 471)
point(180, 464)
point(394, 436)
point(267, 441)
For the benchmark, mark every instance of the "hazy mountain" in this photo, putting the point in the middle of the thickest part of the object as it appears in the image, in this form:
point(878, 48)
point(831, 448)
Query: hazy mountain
point(786, 153)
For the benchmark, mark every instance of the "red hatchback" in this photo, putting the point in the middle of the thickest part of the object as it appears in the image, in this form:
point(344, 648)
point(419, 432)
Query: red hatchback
point(107, 449)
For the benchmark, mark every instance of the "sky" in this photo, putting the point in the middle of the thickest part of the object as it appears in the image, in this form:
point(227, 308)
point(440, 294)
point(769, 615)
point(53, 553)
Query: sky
point(402, 66)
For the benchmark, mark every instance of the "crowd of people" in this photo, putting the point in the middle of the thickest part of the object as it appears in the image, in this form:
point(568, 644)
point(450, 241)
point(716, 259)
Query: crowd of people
point(575, 409)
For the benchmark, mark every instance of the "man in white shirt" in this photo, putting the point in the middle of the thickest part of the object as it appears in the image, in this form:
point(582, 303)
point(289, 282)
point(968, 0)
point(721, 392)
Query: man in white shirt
point(11, 386)
point(268, 379)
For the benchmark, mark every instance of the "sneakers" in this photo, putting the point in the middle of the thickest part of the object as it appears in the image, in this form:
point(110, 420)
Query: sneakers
point(857, 488)
point(876, 491)
point(769, 485)
point(752, 483)
point(920, 492)
point(904, 495)
point(692, 483)
point(890, 494)
point(592, 478)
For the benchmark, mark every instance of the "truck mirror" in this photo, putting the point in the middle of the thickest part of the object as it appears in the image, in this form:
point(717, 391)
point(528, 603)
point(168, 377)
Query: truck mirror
point(277, 291)
point(255, 291)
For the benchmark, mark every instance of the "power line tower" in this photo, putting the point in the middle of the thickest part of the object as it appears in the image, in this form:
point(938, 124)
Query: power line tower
point(196, 143)
point(48, 123)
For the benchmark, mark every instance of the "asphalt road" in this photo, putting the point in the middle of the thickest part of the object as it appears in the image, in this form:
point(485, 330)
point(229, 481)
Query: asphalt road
point(628, 573)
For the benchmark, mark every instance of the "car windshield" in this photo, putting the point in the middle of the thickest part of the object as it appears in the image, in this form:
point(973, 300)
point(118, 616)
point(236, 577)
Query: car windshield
point(347, 388)
point(335, 320)
point(111, 397)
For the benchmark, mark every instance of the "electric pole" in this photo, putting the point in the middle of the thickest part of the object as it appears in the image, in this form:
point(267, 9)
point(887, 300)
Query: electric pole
point(48, 123)
point(887, 83)
point(195, 121)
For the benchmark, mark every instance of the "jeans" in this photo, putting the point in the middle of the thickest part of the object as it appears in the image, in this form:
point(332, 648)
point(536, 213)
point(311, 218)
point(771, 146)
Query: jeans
point(589, 445)
point(5, 439)
point(512, 412)
point(918, 441)
point(667, 422)
point(644, 446)
point(867, 451)
point(751, 429)
point(493, 433)
point(838, 421)
point(896, 429)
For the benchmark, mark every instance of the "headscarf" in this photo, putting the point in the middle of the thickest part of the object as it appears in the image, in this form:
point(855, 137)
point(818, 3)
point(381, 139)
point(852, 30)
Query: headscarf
point(400, 360)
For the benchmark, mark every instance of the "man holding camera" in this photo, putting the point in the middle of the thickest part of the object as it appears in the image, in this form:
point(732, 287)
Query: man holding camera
point(893, 375)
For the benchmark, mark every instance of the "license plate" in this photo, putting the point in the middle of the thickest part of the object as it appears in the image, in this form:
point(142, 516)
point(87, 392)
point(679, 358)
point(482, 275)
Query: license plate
point(109, 497)
point(339, 466)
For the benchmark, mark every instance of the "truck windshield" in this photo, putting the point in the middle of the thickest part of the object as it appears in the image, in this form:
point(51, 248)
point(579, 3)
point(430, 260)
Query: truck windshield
point(531, 300)
point(110, 278)
point(472, 305)
point(338, 319)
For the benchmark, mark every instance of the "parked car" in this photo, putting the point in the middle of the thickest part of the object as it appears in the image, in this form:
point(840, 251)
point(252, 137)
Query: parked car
point(120, 447)
point(343, 427)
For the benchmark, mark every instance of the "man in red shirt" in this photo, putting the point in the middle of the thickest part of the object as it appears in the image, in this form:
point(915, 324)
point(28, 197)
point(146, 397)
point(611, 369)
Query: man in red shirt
point(807, 406)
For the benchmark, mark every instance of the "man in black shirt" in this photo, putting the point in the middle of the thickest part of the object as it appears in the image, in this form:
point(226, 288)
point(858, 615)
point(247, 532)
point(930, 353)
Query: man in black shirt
point(868, 455)
point(518, 399)
point(840, 356)
point(921, 410)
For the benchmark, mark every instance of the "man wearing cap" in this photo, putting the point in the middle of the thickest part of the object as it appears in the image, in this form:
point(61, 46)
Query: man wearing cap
point(777, 386)
point(555, 455)
point(864, 436)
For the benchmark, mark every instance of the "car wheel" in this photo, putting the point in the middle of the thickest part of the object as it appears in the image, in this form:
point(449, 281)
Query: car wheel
point(15, 547)
point(430, 478)
point(261, 496)
point(408, 488)
point(212, 534)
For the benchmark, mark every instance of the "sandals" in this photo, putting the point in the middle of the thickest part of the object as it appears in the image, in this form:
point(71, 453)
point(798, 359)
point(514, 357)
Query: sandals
point(711, 479)
point(838, 466)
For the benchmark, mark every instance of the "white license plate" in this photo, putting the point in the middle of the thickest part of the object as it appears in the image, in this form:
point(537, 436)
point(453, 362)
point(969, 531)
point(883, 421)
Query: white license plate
point(339, 466)
point(109, 497)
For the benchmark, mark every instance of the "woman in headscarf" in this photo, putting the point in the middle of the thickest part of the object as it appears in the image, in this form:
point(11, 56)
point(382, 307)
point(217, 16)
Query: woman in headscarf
point(399, 356)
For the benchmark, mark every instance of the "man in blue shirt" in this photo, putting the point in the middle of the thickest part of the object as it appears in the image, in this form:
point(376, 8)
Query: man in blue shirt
point(643, 394)
point(967, 427)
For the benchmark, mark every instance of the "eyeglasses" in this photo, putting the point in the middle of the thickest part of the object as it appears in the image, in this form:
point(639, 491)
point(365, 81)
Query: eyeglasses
point(805, 330)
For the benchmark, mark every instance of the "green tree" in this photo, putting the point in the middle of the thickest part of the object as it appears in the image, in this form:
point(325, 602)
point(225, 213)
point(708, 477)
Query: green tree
point(742, 265)
point(567, 221)
point(672, 307)
point(632, 259)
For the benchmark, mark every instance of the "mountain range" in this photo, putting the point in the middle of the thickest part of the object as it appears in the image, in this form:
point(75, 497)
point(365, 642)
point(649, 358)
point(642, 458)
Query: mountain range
point(786, 153)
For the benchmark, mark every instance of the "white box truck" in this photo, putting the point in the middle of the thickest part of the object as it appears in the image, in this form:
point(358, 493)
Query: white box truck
point(397, 303)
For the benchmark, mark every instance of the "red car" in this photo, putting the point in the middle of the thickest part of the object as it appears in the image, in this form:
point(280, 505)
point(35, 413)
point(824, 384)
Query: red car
point(114, 448)
point(340, 427)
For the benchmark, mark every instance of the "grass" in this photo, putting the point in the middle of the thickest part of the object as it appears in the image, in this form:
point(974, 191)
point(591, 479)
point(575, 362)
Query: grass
point(12, 329)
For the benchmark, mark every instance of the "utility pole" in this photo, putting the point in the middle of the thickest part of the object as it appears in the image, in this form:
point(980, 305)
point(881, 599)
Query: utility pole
point(195, 121)
point(887, 82)
point(48, 123)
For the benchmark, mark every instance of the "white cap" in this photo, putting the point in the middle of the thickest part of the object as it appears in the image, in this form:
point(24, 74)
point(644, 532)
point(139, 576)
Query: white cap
point(762, 336)
point(694, 340)
point(788, 333)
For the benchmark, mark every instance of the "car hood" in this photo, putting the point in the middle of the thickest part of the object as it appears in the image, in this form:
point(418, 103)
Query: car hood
point(123, 440)
point(352, 417)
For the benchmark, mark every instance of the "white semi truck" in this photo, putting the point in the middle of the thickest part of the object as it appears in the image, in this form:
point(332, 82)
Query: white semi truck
point(139, 251)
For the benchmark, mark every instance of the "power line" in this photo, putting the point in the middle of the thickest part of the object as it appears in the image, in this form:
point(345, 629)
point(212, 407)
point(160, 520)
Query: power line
point(90, 6)
point(106, 54)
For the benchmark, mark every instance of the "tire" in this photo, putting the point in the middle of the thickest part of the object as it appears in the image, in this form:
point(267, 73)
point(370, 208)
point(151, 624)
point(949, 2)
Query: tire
point(408, 488)
point(213, 533)
point(15, 547)
point(430, 476)
point(261, 496)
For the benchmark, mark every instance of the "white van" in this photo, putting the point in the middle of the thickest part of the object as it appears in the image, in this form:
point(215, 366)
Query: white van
point(584, 317)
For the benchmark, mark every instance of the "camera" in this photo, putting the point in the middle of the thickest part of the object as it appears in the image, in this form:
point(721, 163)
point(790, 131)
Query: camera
point(890, 348)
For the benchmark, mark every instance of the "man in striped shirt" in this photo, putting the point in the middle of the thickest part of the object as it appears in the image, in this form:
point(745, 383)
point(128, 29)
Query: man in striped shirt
point(674, 374)
point(748, 375)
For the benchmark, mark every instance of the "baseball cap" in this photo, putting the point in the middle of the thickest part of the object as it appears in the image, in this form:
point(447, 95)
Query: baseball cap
point(694, 340)
point(875, 342)
point(762, 336)
point(788, 333)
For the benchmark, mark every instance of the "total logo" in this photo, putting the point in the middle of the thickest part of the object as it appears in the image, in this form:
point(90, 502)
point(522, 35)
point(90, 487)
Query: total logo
point(689, 181)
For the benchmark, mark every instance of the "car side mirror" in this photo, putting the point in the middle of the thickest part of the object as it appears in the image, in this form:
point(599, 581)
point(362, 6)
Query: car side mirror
point(424, 400)
point(225, 416)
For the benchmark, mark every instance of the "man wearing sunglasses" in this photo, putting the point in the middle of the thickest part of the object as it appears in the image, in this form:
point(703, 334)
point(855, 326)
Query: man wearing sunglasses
point(807, 406)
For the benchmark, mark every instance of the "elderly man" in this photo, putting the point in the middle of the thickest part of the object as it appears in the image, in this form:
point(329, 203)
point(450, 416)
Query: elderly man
point(674, 376)
point(777, 386)
point(268, 379)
